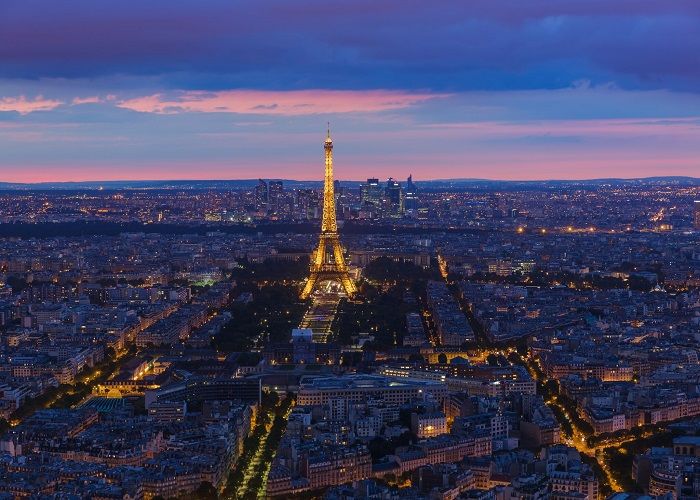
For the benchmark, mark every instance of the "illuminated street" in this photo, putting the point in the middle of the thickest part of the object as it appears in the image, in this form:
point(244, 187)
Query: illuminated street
point(320, 315)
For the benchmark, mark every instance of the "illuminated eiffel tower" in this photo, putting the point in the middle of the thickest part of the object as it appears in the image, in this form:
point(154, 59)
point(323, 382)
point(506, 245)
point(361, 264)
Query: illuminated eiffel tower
point(327, 261)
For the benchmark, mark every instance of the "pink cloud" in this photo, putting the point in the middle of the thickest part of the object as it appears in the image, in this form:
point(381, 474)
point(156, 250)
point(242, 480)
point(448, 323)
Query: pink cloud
point(557, 128)
point(293, 102)
point(24, 106)
point(87, 100)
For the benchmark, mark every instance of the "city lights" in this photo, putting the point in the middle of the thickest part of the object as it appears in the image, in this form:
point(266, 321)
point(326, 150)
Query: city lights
point(487, 286)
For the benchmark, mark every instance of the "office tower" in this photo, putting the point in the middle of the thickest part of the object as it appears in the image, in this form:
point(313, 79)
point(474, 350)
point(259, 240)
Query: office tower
point(306, 203)
point(371, 192)
point(394, 197)
point(411, 196)
point(274, 193)
point(261, 194)
point(696, 218)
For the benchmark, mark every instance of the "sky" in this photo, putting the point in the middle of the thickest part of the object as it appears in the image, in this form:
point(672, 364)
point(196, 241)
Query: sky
point(240, 89)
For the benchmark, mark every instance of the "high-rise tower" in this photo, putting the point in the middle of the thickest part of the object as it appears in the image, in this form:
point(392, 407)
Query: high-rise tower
point(328, 261)
point(394, 198)
point(411, 196)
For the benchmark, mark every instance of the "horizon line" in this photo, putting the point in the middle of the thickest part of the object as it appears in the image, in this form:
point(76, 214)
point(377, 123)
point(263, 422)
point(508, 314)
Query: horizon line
point(289, 179)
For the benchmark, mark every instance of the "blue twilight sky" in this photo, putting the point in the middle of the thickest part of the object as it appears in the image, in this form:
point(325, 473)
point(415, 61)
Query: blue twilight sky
point(204, 89)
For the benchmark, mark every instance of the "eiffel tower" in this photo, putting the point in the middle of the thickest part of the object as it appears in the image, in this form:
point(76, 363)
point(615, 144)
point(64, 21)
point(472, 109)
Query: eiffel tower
point(328, 261)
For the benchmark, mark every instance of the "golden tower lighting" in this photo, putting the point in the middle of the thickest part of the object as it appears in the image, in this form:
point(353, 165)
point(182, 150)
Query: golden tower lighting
point(328, 261)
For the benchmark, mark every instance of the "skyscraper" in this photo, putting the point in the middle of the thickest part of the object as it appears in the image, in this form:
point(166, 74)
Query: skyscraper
point(274, 193)
point(371, 192)
point(394, 197)
point(260, 194)
point(411, 196)
point(696, 215)
point(307, 202)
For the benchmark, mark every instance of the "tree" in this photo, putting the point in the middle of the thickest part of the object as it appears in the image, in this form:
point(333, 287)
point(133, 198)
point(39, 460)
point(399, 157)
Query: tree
point(639, 283)
point(206, 491)
point(269, 400)
point(416, 358)
point(274, 311)
point(551, 386)
point(4, 426)
point(386, 269)
point(383, 314)
point(18, 284)
point(379, 448)
point(390, 477)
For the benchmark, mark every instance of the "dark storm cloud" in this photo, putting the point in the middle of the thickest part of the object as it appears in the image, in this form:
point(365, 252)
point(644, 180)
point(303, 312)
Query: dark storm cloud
point(445, 45)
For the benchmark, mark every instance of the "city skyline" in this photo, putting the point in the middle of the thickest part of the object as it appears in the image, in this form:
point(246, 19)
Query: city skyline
point(204, 183)
point(512, 91)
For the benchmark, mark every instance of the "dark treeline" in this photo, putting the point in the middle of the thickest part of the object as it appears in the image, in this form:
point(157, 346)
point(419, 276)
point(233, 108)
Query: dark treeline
point(54, 229)
point(95, 228)
point(386, 269)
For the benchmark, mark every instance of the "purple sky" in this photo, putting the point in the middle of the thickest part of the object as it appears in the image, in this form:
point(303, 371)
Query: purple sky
point(508, 89)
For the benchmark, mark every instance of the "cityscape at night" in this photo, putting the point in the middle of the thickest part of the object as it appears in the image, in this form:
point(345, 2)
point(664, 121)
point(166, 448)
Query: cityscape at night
point(350, 250)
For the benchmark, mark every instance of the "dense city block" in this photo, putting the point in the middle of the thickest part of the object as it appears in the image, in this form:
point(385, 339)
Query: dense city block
point(497, 341)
